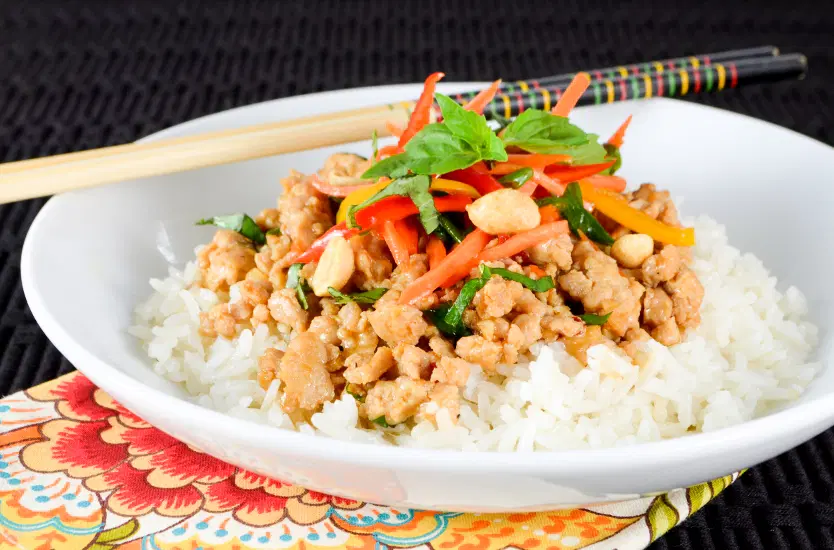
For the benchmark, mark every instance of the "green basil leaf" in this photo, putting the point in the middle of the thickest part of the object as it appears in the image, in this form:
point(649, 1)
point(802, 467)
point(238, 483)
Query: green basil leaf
point(450, 228)
point(591, 153)
point(438, 317)
point(518, 178)
point(467, 125)
point(295, 281)
point(381, 422)
point(374, 144)
point(591, 319)
point(241, 223)
point(367, 297)
point(436, 149)
point(392, 167)
point(500, 121)
point(536, 285)
point(424, 202)
point(613, 152)
point(274, 231)
point(454, 317)
point(572, 208)
point(540, 131)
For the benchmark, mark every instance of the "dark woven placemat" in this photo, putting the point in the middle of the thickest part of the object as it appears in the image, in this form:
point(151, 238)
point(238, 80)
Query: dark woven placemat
point(80, 74)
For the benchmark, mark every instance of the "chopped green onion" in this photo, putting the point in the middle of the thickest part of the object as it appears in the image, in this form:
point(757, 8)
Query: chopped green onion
point(450, 228)
point(536, 285)
point(518, 178)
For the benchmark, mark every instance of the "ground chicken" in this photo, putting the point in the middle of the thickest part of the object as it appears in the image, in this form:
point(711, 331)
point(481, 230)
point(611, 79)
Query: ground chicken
point(268, 365)
point(398, 324)
point(661, 267)
point(561, 323)
point(305, 375)
point(412, 361)
point(371, 261)
point(441, 347)
point(657, 307)
point(626, 315)
point(579, 345)
point(497, 298)
point(275, 257)
point(687, 294)
point(555, 251)
point(364, 369)
point(326, 327)
point(668, 333)
point(284, 307)
point(218, 321)
point(396, 400)
point(355, 331)
point(226, 260)
point(344, 169)
point(305, 213)
point(596, 282)
point(477, 349)
point(442, 396)
point(451, 371)
point(632, 338)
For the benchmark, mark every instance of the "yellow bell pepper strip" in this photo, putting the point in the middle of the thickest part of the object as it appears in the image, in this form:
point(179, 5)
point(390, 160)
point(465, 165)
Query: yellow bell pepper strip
point(616, 208)
point(454, 188)
point(358, 197)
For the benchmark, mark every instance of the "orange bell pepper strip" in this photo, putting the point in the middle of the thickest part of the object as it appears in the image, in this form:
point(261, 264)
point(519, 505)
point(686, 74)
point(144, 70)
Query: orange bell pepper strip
point(616, 208)
point(478, 103)
point(316, 249)
point(522, 241)
point(421, 115)
point(572, 95)
point(397, 241)
point(477, 176)
point(469, 248)
point(398, 208)
point(537, 161)
point(436, 251)
point(616, 139)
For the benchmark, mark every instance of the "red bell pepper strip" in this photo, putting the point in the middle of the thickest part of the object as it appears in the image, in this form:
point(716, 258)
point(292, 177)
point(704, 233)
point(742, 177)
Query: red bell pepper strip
point(567, 174)
point(422, 109)
point(480, 101)
point(397, 208)
point(460, 256)
point(572, 94)
point(617, 139)
point(316, 249)
point(477, 176)
point(336, 190)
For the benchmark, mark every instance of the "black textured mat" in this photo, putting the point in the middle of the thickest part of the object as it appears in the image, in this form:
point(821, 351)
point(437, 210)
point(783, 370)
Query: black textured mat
point(80, 74)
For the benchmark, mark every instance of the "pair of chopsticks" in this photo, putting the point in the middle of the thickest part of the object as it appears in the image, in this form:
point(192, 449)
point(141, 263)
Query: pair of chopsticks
point(664, 78)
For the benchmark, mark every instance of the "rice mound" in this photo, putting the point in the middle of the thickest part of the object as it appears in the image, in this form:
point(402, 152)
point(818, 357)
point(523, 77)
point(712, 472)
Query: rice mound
point(748, 356)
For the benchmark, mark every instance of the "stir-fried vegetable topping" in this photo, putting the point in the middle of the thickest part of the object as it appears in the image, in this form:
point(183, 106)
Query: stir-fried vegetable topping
point(536, 285)
point(541, 132)
point(414, 187)
point(241, 223)
point(367, 297)
point(294, 280)
point(381, 422)
point(518, 178)
point(592, 319)
point(451, 229)
point(571, 208)
point(274, 231)
point(316, 249)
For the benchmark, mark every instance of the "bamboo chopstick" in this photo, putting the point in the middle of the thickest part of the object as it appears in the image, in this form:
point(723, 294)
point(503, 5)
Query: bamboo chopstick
point(51, 175)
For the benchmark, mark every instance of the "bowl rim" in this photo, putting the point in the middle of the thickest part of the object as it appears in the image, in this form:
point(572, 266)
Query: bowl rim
point(773, 426)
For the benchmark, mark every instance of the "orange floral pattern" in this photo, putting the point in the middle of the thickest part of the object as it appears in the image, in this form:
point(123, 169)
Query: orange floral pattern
point(78, 470)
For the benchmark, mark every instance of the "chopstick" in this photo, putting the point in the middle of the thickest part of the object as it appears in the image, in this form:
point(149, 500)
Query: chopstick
point(623, 71)
point(50, 175)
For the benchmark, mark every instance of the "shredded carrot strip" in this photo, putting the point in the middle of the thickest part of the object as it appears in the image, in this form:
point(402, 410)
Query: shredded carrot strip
point(549, 214)
point(612, 183)
point(480, 101)
point(572, 94)
point(469, 248)
point(436, 251)
point(396, 241)
point(552, 185)
point(617, 139)
point(389, 151)
point(523, 241)
point(395, 130)
point(422, 109)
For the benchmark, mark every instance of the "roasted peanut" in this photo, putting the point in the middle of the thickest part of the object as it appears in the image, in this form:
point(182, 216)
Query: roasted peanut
point(335, 267)
point(632, 250)
point(504, 211)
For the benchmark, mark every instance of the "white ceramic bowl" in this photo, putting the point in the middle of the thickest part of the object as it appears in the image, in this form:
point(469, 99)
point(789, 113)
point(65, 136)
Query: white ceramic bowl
point(89, 254)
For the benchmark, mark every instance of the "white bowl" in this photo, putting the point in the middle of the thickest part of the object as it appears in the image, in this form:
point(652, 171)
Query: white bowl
point(89, 254)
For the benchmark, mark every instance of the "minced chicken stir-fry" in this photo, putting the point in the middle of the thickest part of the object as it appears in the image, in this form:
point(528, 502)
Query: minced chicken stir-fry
point(463, 244)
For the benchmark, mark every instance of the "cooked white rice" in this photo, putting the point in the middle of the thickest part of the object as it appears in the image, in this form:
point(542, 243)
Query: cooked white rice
point(748, 356)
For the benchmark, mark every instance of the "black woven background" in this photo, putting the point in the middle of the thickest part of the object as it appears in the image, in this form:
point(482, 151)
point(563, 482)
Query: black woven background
point(80, 74)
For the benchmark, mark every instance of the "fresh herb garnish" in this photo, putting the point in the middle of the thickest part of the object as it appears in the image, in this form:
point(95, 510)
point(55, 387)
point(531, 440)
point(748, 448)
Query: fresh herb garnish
point(542, 132)
point(438, 317)
point(461, 140)
point(591, 319)
point(295, 281)
point(613, 152)
point(274, 231)
point(572, 208)
point(536, 285)
point(381, 422)
point(518, 178)
point(449, 228)
point(414, 187)
point(353, 393)
point(241, 223)
point(367, 297)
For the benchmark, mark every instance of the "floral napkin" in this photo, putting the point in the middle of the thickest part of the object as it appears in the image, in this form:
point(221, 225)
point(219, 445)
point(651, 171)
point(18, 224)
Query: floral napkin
point(78, 470)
